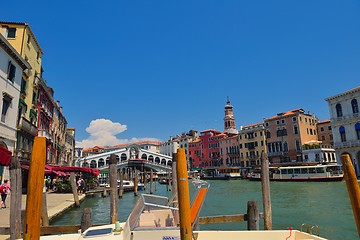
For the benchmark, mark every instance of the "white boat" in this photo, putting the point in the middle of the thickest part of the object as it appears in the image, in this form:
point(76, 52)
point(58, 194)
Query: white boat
point(313, 173)
point(128, 185)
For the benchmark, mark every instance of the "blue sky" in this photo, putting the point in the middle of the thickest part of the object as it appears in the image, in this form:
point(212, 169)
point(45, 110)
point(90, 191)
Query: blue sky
point(131, 70)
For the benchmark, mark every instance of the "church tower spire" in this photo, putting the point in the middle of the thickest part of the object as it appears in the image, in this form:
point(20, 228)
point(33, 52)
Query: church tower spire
point(229, 119)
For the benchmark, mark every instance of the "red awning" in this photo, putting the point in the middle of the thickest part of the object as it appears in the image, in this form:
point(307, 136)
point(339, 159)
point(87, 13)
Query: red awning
point(65, 170)
point(5, 156)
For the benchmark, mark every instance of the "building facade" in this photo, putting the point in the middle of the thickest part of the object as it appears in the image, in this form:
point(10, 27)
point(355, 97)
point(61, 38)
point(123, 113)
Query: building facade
point(287, 132)
point(325, 133)
point(12, 66)
point(345, 123)
point(252, 144)
point(22, 39)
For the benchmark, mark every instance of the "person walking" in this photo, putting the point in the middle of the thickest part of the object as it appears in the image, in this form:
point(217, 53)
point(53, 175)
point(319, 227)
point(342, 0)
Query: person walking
point(4, 190)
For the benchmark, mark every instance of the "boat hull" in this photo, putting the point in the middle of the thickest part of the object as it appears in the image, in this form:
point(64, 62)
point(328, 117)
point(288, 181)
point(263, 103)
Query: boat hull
point(332, 179)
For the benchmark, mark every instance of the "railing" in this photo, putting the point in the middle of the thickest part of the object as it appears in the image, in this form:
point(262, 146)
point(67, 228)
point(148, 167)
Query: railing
point(44, 133)
point(353, 143)
point(345, 117)
point(273, 154)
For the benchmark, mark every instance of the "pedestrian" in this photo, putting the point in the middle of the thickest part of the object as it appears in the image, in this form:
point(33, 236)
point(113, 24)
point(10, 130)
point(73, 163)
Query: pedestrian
point(80, 186)
point(4, 190)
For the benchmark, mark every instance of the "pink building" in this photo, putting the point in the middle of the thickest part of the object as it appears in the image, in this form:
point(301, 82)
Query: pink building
point(195, 153)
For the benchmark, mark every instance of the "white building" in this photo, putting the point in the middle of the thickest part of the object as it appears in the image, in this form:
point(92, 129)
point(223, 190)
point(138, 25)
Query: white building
point(169, 147)
point(11, 69)
point(345, 123)
point(183, 141)
point(318, 152)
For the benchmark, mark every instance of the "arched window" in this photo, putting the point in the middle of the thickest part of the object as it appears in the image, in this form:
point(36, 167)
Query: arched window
point(357, 129)
point(101, 163)
point(93, 164)
point(355, 106)
point(342, 133)
point(339, 110)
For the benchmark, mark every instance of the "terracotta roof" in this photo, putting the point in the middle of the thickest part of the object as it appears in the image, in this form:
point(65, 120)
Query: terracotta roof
point(210, 130)
point(288, 113)
point(324, 121)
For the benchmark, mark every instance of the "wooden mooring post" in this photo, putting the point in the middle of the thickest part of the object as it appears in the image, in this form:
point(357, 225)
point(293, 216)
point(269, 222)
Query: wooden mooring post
point(34, 189)
point(265, 185)
point(151, 181)
point(252, 215)
point(136, 181)
point(352, 187)
point(15, 200)
point(74, 189)
point(113, 189)
point(121, 187)
point(183, 195)
point(44, 211)
point(86, 220)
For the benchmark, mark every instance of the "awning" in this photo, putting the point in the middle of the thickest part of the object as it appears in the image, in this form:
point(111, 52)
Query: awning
point(5, 156)
point(65, 170)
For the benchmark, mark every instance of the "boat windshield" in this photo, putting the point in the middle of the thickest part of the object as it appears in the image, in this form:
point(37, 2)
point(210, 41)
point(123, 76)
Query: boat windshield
point(152, 211)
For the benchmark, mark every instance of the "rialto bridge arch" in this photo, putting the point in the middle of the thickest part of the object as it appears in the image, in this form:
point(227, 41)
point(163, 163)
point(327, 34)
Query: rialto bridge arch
point(127, 156)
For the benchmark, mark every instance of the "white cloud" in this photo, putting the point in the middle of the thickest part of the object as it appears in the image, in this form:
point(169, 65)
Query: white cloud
point(103, 133)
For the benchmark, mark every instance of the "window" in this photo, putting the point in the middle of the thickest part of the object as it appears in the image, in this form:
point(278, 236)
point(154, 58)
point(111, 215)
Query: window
point(11, 72)
point(357, 129)
point(342, 133)
point(294, 119)
point(296, 130)
point(23, 86)
point(321, 129)
point(339, 110)
point(355, 106)
point(28, 40)
point(297, 143)
point(11, 32)
point(6, 104)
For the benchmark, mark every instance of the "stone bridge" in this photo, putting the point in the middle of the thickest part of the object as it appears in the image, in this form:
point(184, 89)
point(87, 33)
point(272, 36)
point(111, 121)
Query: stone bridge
point(131, 156)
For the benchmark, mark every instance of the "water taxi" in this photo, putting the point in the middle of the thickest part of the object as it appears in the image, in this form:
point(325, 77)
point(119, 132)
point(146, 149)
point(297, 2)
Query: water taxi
point(222, 173)
point(314, 173)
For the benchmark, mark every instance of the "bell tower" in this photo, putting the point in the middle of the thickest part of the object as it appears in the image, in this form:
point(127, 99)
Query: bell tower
point(229, 119)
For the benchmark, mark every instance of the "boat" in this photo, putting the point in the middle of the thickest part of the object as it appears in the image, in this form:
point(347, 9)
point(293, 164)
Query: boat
point(311, 173)
point(164, 181)
point(222, 173)
point(128, 185)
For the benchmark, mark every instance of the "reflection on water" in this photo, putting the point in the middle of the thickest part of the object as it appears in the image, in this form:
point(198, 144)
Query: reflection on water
point(324, 204)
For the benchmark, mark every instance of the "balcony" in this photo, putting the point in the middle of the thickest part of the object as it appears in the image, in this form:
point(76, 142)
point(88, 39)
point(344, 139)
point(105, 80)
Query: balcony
point(45, 133)
point(347, 144)
point(345, 117)
point(275, 154)
point(26, 126)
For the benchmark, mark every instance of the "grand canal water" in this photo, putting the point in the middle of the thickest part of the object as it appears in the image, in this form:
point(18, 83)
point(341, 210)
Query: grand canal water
point(324, 204)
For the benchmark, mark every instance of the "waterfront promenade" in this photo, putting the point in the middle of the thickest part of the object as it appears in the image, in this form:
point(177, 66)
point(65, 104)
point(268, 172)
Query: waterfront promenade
point(57, 203)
